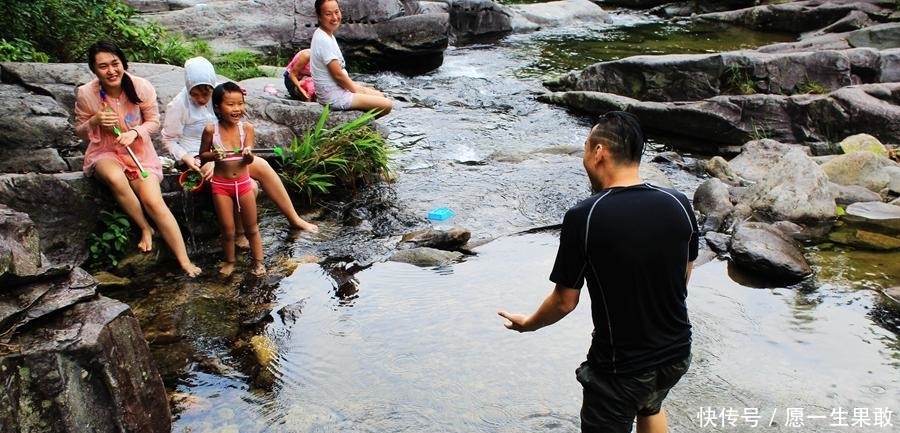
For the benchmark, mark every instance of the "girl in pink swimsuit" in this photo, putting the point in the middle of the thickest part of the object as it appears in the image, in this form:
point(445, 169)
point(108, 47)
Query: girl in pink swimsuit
point(298, 79)
point(228, 143)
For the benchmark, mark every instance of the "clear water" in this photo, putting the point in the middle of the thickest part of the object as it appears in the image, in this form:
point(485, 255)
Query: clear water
point(422, 349)
point(398, 348)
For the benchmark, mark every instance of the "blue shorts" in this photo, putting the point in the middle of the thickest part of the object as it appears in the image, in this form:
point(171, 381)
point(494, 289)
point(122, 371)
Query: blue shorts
point(612, 401)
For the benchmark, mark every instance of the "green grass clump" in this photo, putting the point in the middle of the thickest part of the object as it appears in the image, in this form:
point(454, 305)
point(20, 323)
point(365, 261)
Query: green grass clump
point(346, 155)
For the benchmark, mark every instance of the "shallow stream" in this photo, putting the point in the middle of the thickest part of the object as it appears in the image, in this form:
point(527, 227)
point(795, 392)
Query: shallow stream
point(399, 348)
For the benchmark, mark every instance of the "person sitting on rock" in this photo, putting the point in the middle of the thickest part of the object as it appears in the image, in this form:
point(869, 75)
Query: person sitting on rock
point(186, 116)
point(116, 113)
point(334, 87)
point(298, 79)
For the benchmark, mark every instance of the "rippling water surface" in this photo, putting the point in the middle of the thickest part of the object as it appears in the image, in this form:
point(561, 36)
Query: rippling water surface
point(409, 349)
point(422, 349)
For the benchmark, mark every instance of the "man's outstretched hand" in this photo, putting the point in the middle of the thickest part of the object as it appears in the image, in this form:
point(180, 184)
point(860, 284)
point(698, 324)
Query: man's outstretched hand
point(516, 322)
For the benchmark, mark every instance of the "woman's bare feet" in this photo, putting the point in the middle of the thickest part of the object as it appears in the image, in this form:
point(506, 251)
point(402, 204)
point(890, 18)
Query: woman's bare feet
point(302, 224)
point(259, 269)
point(145, 245)
point(227, 268)
point(191, 270)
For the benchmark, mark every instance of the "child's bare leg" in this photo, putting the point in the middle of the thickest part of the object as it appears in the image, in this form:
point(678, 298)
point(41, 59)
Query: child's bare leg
point(240, 239)
point(225, 210)
point(275, 190)
point(251, 230)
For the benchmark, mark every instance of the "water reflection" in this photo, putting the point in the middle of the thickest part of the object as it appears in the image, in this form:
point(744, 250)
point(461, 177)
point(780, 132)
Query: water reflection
point(423, 350)
point(552, 52)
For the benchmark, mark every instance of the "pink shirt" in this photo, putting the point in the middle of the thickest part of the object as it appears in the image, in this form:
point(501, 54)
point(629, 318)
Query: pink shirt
point(143, 118)
point(303, 72)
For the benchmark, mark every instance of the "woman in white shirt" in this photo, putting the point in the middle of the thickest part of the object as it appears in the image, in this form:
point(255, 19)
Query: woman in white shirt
point(333, 85)
point(186, 116)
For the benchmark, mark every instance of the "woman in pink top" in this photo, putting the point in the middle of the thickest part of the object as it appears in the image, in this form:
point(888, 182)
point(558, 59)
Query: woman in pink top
point(298, 79)
point(116, 111)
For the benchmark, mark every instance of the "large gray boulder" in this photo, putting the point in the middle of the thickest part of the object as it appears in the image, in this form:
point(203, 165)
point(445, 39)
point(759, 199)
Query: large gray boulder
point(797, 16)
point(795, 189)
point(862, 168)
point(70, 360)
point(766, 252)
point(722, 124)
point(64, 209)
point(86, 367)
point(533, 16)
point(692, 77)
point(471, 19)
point(387, 34)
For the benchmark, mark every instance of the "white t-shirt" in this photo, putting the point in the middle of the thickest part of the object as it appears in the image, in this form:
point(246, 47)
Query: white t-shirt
point(323, 50)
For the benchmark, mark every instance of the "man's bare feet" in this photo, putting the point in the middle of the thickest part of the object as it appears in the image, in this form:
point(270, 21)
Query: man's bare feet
point(306, 226)
point(259, 269)
point(191, 270)
point(227, 268)
point(241, 242)
point(145, 245)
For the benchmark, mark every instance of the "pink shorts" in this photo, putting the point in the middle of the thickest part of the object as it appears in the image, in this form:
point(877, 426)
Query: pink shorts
point(233, 188)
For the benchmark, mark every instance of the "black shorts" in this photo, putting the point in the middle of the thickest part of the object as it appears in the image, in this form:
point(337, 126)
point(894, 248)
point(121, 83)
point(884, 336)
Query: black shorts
point(611, 401)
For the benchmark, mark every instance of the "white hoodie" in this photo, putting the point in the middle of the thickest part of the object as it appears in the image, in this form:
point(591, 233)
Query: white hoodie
point(185, 120)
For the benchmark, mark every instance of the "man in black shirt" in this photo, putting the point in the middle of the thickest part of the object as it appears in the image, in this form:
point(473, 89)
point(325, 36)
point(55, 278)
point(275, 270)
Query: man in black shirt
point(634, 243)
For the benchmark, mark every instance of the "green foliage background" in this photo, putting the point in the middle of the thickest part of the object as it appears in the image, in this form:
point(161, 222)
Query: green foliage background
point(62, 30)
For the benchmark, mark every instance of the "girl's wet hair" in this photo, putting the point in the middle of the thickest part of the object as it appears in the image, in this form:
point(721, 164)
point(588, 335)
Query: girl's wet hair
point(219, 94)
point(104, 46)
point(621, 132)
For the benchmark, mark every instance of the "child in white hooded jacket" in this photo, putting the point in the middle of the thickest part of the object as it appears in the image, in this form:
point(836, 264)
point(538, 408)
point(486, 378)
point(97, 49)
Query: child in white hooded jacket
point(186, 116)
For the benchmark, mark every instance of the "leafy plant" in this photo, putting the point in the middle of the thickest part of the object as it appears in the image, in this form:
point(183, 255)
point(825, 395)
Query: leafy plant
point(190, 180)
point(760, 132)
point(110, 245)
point(239, 65)
point(813, 87)
point(739, 81)
point(341, 156)
point(64, 29)
point(20, 50)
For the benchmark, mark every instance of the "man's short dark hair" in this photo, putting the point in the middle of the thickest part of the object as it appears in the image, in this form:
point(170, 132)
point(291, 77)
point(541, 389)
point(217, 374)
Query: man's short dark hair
point(621, 133)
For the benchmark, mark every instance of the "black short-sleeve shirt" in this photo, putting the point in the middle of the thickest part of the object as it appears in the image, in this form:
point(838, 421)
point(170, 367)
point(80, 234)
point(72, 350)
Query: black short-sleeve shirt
point(632, 246)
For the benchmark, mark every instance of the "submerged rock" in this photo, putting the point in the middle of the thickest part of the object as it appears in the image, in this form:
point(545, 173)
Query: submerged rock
point(449, 240)
point(425, 256)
